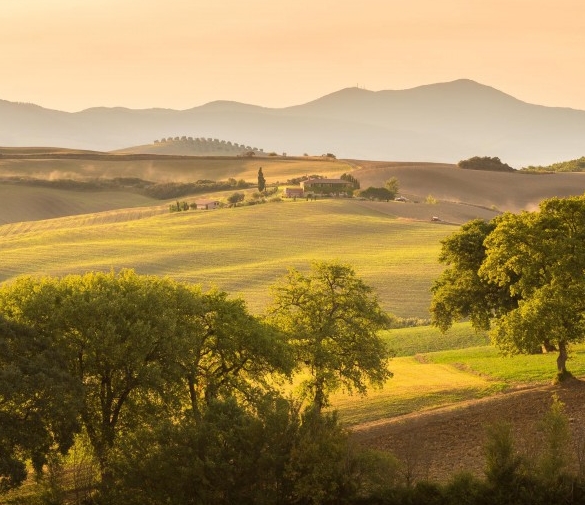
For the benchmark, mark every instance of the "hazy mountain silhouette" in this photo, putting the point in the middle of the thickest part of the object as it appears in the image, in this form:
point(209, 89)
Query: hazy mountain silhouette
point(439, 122)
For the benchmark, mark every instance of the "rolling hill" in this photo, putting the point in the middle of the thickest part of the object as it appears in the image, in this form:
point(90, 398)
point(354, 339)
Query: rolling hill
point(394, 245)
point(461, 194)
point(443, 122)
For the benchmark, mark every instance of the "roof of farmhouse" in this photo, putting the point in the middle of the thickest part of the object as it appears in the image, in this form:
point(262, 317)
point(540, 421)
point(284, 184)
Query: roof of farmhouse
point(326, 181)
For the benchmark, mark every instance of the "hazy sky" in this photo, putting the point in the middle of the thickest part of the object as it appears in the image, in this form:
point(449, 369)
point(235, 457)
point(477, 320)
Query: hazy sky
point(75, 54)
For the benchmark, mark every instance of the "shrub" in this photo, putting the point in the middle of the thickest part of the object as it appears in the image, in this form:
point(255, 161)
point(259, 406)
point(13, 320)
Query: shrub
point(485, 163)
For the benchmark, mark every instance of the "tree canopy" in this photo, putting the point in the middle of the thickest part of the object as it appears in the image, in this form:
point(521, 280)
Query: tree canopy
point(140, 347)
point(485, 163)
point(38, 403)
point(332, 318)
point(522, 275)
point(373, 193)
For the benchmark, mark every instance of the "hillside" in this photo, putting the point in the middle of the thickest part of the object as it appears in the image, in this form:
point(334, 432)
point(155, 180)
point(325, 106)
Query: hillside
point(241, 250)
point(393, 246)
point(443, 122)
point(189, 146)
point(495, 190)
point(462, 194)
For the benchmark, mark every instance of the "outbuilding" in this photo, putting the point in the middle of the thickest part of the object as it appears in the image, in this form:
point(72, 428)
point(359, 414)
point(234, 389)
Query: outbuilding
point(207, 204)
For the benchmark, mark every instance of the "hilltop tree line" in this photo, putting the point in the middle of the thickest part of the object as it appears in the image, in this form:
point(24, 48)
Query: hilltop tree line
point(211, 144)
point(577, 165)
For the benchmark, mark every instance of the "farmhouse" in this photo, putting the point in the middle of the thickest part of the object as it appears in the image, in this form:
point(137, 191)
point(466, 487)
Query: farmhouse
point(293, 192)
point(206, 204)
point(326, 186)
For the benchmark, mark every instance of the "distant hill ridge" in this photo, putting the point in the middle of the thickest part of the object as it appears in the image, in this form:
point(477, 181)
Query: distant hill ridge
point(443, 122)
point(194, 146)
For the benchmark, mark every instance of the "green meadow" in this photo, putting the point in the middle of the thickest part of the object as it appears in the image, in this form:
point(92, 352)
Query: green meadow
point(241, 250)
point(459, 366)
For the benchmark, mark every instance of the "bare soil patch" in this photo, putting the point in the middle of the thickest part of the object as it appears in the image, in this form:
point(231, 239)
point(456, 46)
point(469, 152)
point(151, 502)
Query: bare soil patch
point(438, 443)
point(498, 190)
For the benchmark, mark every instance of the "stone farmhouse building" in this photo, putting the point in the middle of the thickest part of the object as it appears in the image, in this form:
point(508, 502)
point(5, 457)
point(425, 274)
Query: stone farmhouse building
point(326, 186)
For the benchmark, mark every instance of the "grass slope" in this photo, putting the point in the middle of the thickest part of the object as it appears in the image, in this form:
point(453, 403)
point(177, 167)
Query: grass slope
point(463, 371)
point(241, 250)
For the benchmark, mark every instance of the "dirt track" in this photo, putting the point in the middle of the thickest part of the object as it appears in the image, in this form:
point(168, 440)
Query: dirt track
point(439, 443)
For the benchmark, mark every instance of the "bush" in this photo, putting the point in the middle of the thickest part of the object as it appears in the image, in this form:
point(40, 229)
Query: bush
point(485, 163)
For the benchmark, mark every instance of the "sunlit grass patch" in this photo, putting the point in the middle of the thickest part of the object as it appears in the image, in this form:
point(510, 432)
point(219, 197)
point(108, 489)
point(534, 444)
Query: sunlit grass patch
point(489, 362)
point(242, 250)
point(415, 386)
point(422, 339)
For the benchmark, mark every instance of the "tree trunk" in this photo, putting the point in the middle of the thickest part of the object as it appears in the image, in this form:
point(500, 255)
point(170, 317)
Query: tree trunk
point(562, 358)
point(319, 400)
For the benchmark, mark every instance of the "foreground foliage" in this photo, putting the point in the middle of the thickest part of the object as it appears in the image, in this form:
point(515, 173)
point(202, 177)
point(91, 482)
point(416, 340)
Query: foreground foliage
point(176, 389)
point(520, 275)
point(332, 319)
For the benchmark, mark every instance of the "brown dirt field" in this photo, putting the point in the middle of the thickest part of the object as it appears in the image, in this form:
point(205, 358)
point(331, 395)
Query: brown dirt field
point(30, 203)
point(436, 444)
point(502, 190)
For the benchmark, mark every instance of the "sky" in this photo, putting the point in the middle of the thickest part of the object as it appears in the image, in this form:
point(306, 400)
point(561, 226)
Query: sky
point(75, 54)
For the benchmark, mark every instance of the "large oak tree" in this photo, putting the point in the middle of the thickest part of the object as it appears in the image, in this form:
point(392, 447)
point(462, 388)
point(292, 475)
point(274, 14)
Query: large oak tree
point(332, 319)
point(143, 347)
point(522, 275)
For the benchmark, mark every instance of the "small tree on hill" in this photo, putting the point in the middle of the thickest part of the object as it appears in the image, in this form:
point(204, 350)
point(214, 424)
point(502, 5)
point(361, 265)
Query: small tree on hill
point(261, 181)
point(392, 186)
point(332, 320)
point(236, 198)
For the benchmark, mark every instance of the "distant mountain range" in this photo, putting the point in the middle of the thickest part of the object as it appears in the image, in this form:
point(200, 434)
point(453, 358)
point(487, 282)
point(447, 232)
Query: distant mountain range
point(443, 122)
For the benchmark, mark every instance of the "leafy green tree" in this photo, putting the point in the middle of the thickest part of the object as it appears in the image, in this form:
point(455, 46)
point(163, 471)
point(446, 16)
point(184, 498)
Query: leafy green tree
point(116, 333)
point(38, 403)
point(528, 269)
point(261, 181)
point(540, 256)
point(236, 198)
point(392, 186)
point(234, 454)
point(143, 348)
point(318, 470)
point(332, 318)
point(461, 292)
point(223, 351)
point(373, 193)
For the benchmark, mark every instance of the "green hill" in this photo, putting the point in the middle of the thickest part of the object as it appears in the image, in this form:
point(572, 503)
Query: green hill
point(241, 250)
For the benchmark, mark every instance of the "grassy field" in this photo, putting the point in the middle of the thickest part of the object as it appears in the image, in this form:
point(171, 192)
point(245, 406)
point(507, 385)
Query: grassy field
point(426, 380)
point(241, 250)
point(424, 339)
